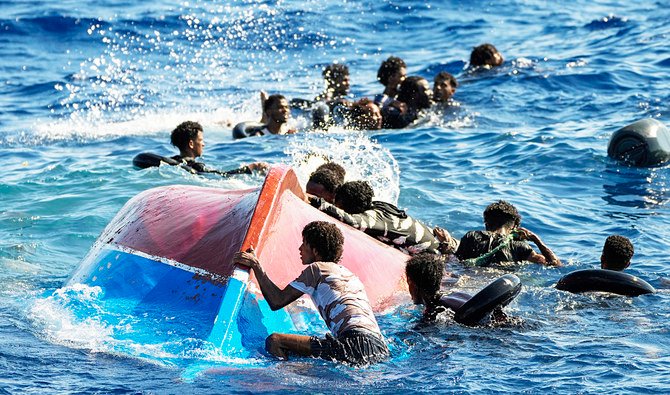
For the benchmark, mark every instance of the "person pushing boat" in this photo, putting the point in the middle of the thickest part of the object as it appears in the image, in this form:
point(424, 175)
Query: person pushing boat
point(340, 296)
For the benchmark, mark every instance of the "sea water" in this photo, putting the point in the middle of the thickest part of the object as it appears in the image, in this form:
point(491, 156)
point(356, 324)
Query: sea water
point(86, 86)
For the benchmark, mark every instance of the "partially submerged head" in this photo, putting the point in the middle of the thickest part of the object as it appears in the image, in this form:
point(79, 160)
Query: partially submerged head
point(336, 76)
point(485, 55)
point(424, 275)
point(321, 242)
point(617, 253)
point(392, 72)
point(188, 138)
point(444, 87)
point(323, 183)
point(365, 115)
point(336, 168)
point(354, 197)
point(276, 109)
point(501, 214)
point(415, 92)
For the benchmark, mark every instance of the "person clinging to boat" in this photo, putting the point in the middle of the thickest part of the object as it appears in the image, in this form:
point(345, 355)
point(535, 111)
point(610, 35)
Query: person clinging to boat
point(354, 206)
point(503, 240)
point(340, 296)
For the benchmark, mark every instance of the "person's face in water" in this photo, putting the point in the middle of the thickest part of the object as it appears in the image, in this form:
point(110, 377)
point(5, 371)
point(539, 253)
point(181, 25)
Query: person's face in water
point(197, 145)
point(371, 118)
point(443, 90)
point(319, 190)
point(279, 111)
point(307, 253)
point(339, 83)
point(424, 94)
point(396, 78)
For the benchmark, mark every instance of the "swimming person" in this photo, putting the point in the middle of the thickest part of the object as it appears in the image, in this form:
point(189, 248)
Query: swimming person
point(332, 104)
point(383, 221)
point(355, 337)
point(414, 95)
point(617, 253)
point(336, 78)
point(503, 240)
point(391, 73)
point(364, 115)
point(424, 278)
point(188, 137)
point(444, 87)
point(486, 56)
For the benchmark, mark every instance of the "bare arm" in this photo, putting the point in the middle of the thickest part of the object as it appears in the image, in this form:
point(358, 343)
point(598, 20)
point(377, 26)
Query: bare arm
point(276, 297)
point(547, 257)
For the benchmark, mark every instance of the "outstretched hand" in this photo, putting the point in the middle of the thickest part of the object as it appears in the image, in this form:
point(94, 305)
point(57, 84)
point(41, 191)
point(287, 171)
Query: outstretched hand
point(247, 258)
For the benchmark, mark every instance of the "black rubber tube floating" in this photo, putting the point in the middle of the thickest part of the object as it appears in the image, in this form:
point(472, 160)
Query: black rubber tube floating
point(643, 143)
point(600, 280)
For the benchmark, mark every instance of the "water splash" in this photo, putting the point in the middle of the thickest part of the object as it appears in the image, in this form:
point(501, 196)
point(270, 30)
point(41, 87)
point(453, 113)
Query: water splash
point(363, 158)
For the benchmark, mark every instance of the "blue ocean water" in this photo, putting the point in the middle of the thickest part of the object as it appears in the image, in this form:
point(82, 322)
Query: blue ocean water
point(85, 87)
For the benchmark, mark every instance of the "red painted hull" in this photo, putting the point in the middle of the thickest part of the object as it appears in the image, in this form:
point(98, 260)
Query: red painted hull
point(203, 227)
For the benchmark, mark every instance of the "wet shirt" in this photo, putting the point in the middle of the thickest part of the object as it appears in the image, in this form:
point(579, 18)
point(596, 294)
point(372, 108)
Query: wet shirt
point(388, 224)
point(191, 165)
point(477, 243)
point(340, 297)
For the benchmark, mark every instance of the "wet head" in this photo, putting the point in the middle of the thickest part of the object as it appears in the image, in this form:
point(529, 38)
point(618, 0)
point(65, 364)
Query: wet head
point(277, 109)
point(444, 87)
point(366, 115)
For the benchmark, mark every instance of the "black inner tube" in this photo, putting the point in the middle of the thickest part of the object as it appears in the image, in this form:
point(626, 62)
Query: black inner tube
point(600, 280)
point(497, 294)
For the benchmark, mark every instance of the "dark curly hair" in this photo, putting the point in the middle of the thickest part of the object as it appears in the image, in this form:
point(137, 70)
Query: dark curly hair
point(354, 197)
point(336, 168)
point(325, 238)
point(485, 55)
point(499, 214)
point(389, 67)
point(271, 100)
point(335, 70)
point(426, 271)
point(617, 252)
point(411, 91)
point(443, 75)
point(361, 117)
point(326, 178)
point(183, 133)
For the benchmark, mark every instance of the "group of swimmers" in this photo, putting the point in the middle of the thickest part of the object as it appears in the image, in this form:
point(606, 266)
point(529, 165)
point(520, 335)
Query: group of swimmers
point(355, 336)
point(401, 103)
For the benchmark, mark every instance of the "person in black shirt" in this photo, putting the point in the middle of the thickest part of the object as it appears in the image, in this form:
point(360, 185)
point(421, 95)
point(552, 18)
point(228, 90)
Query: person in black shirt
point(188, 138)
point(503, 240)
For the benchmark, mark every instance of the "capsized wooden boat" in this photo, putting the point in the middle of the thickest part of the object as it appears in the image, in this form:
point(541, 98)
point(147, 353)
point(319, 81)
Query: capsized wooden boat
point(169, 250)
